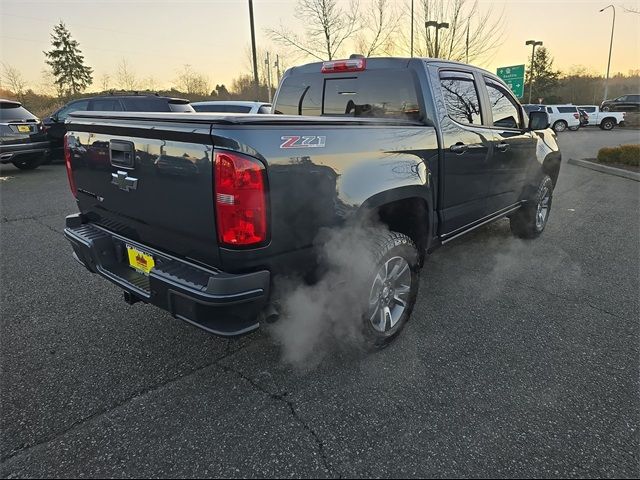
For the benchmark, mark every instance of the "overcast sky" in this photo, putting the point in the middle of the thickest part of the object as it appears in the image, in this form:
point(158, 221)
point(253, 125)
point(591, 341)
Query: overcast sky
point(157, 37)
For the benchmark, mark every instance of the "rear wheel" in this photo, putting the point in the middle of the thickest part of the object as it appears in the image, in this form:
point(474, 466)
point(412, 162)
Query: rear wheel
point(29, 163)
point(393, 290)
point(530, 220)
point(560, 126)
point(607, 124)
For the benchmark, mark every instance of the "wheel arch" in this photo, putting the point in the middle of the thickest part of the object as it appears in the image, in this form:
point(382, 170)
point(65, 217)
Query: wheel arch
point(405, 210)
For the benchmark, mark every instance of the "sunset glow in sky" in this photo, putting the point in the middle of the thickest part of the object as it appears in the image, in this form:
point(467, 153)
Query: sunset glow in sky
point(158, 37)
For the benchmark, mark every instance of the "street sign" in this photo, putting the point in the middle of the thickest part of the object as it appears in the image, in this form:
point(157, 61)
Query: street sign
point(514, 77)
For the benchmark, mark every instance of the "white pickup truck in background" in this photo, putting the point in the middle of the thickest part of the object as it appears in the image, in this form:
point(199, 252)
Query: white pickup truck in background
point(604, 120)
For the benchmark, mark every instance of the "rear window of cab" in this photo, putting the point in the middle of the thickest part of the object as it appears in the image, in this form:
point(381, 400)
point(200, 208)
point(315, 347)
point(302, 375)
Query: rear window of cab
point(369, 94)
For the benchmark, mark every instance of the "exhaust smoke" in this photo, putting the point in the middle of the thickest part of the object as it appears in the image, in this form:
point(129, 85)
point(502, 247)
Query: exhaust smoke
point(326, 317)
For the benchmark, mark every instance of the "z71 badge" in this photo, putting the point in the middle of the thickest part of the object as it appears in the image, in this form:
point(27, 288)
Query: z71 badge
point(303, 141)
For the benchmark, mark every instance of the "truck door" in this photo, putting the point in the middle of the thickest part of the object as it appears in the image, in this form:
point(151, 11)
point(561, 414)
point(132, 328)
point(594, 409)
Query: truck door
point(514, 147)
point(467, 145)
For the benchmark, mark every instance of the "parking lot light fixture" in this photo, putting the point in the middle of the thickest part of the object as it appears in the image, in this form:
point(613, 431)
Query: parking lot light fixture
point(438, 26)
point(613, 24)
point(534, 44)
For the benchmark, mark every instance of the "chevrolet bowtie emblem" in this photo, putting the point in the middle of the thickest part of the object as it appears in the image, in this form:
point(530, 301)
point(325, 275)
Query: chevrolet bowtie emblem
point(123, 181)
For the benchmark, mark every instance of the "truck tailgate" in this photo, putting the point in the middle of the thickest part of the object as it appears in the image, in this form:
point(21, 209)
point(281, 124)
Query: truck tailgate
point(148, 182)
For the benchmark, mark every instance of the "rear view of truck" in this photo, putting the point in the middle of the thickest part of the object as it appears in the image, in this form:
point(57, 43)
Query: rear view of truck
point(149, 222)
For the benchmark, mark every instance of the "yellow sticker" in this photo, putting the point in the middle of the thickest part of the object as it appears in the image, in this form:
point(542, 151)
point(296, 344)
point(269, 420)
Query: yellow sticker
point(143, 262)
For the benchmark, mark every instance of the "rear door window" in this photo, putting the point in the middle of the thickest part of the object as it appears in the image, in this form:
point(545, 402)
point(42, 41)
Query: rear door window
point(567, 109)
point(461, 97)
point(106, 105)
point(504, 109)
point(588, 109)
point(143, 104)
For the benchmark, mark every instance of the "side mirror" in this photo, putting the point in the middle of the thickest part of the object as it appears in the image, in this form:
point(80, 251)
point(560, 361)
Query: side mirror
point(538, 120)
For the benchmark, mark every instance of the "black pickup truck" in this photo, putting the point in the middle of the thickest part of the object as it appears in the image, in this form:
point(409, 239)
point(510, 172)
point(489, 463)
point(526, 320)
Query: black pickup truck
point(199, 213)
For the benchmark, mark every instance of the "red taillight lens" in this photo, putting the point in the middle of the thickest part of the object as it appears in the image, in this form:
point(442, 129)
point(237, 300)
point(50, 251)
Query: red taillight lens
point(339, 66)
point(240, 197)
point(67, 163)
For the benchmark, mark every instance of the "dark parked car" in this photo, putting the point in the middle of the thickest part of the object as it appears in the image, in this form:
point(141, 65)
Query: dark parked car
point(432, 149)
point(22, 138)
point(55, 127)
point(624, 103)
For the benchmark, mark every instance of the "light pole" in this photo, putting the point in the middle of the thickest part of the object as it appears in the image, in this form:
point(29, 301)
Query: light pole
point(533, 44)
point(438, 26)
point(267, 63)
point(253, 51)
point(411, 28)
point(613, 24)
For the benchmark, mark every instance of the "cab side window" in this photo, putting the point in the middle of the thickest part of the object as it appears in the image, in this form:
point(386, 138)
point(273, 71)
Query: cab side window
point(461, 97)
point(505, 110)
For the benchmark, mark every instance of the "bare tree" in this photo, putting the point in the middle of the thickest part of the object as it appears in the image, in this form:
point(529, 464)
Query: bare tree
point(327, 26)
point(473, 35)
point(150, 83)
point(191, 82)
point(379, 27)
point(105, 81)
point(14, 79)
point(48, 85)
point(125, 76)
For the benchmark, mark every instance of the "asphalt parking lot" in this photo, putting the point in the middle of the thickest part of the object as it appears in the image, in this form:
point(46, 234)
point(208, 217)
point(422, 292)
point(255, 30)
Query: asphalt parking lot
point(521, 359)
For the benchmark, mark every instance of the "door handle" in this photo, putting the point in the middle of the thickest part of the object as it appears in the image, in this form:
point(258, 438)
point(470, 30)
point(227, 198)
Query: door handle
point(121, 153)
point(459, 148)
point(502, 147)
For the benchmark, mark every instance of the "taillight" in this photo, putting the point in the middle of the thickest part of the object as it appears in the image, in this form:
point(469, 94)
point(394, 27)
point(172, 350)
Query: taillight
point(339, 66)
point(240, 197)
point(67, 163)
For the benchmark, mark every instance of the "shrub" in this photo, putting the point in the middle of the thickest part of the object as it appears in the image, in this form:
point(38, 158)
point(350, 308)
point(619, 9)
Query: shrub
point(625, 154)
point(630, 154)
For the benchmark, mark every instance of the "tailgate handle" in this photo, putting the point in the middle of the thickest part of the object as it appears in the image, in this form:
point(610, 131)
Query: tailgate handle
point(121, 153)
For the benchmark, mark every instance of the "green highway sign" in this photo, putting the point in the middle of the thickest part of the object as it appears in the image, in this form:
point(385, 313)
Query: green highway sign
point(514, 77)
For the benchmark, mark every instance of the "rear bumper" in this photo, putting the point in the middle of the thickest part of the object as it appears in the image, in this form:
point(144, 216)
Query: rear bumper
point(9, 152)
point(221, 303)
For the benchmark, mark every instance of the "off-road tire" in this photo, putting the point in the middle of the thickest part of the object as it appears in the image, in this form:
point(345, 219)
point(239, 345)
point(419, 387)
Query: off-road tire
point(526, 222)
point(388, 247)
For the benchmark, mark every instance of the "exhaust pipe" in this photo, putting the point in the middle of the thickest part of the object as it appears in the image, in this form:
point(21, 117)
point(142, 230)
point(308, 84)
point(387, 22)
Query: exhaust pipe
point(270, 314)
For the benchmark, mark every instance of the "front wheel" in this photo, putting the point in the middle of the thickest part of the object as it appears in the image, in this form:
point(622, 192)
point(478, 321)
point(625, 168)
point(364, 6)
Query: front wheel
point(530, 220)
point(605, 109)
point(560, 126)
point(393, 288)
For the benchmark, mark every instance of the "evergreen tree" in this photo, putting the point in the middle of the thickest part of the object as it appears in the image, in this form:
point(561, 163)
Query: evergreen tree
point(545, 78)
point(67, 62)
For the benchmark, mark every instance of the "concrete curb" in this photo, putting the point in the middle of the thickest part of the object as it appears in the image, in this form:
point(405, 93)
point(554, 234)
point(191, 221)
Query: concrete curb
point(618, 172)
